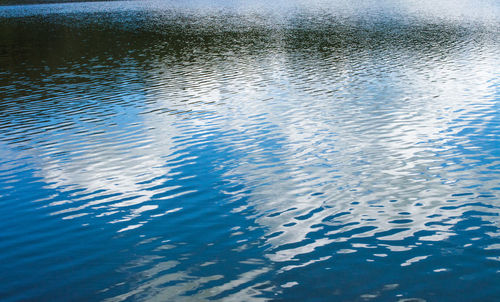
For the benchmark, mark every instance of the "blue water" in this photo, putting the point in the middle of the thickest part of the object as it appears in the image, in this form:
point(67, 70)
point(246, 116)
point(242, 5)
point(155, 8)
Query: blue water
point(250, 151)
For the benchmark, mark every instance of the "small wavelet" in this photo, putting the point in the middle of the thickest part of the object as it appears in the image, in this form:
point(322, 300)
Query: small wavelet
point(159, 150)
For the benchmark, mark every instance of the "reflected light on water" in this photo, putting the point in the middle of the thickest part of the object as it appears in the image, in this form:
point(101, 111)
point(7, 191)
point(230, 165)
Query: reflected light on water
point(246, 151)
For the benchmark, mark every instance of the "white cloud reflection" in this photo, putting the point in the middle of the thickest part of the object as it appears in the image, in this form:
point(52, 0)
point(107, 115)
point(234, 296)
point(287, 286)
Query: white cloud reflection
point(337, 141)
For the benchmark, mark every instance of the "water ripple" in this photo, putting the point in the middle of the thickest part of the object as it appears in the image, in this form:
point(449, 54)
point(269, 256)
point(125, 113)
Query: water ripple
point(228, 151)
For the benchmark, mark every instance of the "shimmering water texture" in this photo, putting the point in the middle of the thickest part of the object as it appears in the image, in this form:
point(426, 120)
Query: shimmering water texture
point(248, 151)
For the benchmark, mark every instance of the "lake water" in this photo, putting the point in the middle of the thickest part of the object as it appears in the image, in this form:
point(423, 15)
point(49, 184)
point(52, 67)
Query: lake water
point(250, 151)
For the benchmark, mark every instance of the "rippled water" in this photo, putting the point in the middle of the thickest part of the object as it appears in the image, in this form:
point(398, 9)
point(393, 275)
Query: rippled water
point(241, 151)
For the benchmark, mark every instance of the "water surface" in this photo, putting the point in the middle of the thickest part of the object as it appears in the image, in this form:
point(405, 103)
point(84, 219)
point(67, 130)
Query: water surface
point(247, 151)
